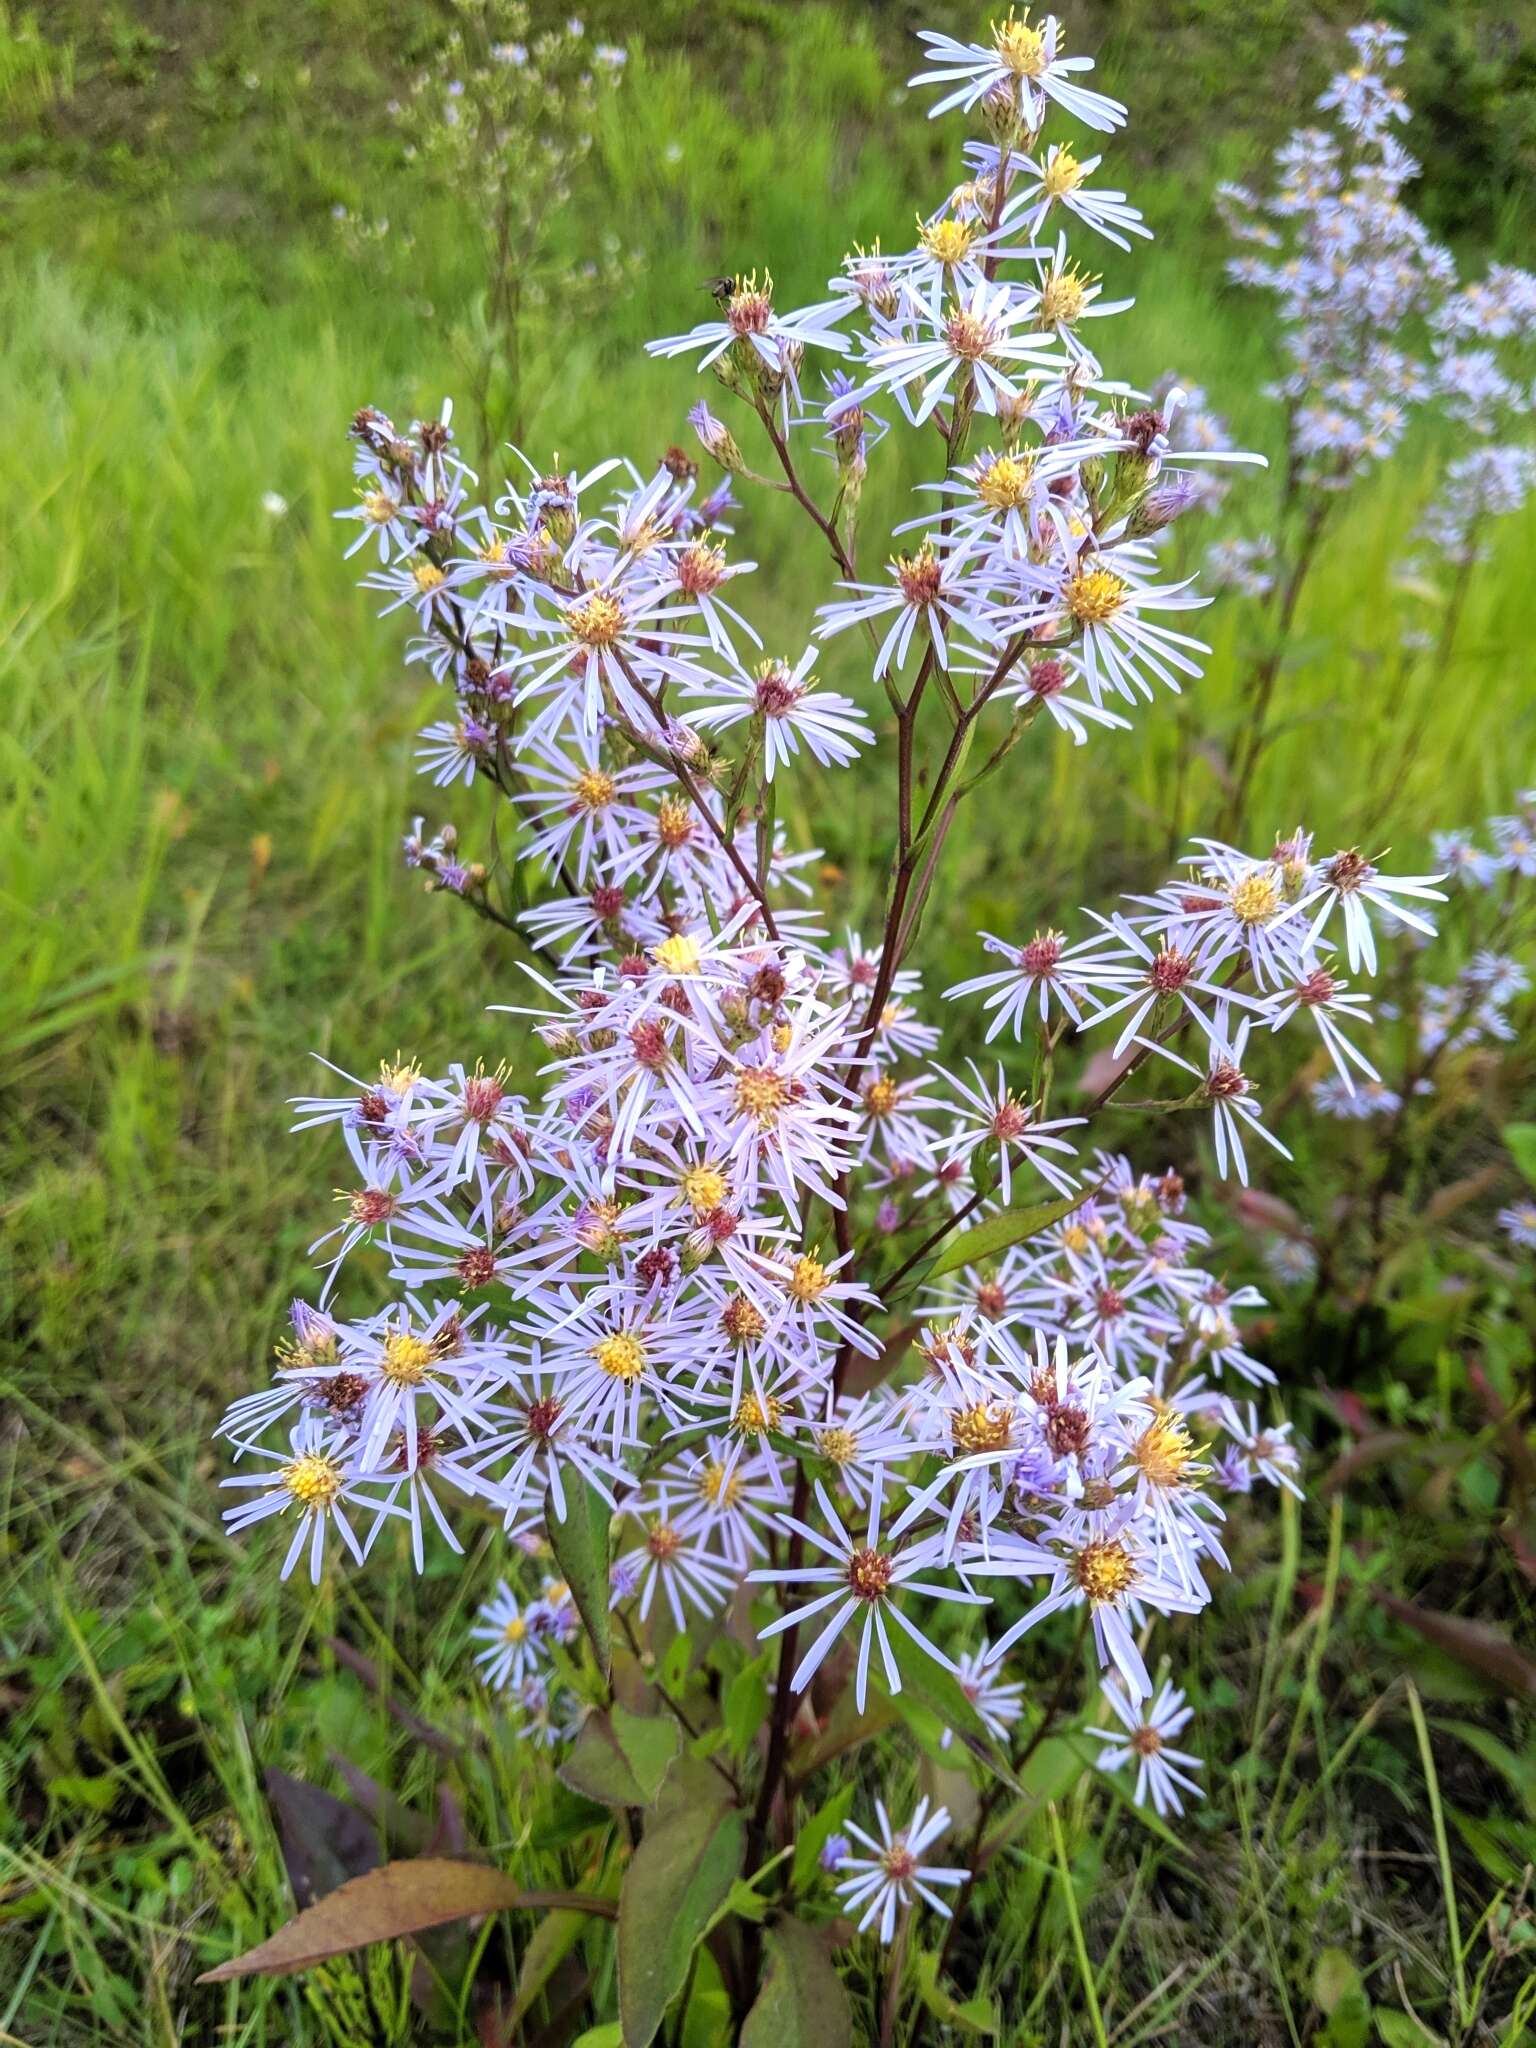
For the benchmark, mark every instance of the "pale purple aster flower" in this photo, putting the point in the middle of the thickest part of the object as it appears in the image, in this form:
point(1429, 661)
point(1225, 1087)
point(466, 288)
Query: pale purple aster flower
point(1025, 60)
point(1228, 1092)
point(511, 1652)
point(893, 1876)
point(1355, 886)
point(792, 709)
point(860, 1580)
point(1042, 967)
point(1143, 1738)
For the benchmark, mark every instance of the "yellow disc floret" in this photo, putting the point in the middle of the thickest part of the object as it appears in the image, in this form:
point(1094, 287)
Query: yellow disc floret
point(1094, 595)
point(313, 1479)
point(621, 1355)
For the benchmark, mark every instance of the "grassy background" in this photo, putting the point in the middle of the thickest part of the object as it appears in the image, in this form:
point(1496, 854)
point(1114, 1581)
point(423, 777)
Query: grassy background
point(206, 761)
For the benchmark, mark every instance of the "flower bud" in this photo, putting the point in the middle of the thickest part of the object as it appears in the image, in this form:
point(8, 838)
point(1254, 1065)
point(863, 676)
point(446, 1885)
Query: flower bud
point(716, 439)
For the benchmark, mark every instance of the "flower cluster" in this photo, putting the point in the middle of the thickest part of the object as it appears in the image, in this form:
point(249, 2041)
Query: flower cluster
point(1352, 270)
point(667, 1274)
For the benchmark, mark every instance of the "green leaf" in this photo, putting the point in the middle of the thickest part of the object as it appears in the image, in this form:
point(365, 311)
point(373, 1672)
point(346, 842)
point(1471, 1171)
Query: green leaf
point(682, 1872)
point(674, 1665)
point(1334, 1976)
point(580, 1544)
point(931, 1700)
point(977, 2015)
point(553, 1939)
point(1519, 1770)
point(802, 2003)
point(745, 1706)
point(817, 1832)
point(620, 1758)
point(1521, 1140)
point(1401, 2030)
point(1007, 1227)
point(609, 2035)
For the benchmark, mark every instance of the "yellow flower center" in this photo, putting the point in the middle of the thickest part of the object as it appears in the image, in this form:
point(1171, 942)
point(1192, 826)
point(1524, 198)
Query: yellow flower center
point(1164, 1452)
point(1019, 46)
point(313, 1479)
point(721, 1488)
point(1005, 483)
point(761, 1093)
point(596, 621)
point(678, 955)
point(838, 1444)
point(380, 507)
point(809, 1279)
point(1063, 174)
point(1064, 297)
point(1094, 595)
point(881, 1096)
point(621, 1355)
point(1255, 899)
point(407, 1358)
point(594, 789)
point(427, 576)
point(948, 241)
point(754, 1415)
point(984, 1426)
point(704, 1189)
point(674, 821)
point(1104, 1569)
point(516, 1629)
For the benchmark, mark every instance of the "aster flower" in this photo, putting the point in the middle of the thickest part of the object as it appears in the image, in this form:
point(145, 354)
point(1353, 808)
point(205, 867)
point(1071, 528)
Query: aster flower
point(1518, 1223)
point(792, 709)
point(996, 1116)
point(672, 1556)
point(1117, 642)
point(893, 1877)
point(1057, 177)
point(928, 591)
point(1228, 1092)
point(1024, 62)
point(1143, 1738)
point(861, 1580)
point(317, 1478)
point(1354, 886)
point(1110, 1573)
point(750, 326)
point(998, 1704)
point(511, 1653)
point(988, 338)
point(1044, 966)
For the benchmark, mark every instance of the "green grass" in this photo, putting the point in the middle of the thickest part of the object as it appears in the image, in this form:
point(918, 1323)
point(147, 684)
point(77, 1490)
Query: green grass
point(206, 763)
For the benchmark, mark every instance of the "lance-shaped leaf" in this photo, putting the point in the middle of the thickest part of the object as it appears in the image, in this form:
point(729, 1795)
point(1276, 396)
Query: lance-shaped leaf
point(802, 2003)
point(580, 1544)
point(677, 1879)
point(620, 1758)
point(1008, 1227)
point(1474, 1644)
point(932, 1699)
point(395, 1900)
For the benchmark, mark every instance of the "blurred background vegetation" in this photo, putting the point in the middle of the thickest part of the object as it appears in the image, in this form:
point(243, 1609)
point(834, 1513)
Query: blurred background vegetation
point(206, 763)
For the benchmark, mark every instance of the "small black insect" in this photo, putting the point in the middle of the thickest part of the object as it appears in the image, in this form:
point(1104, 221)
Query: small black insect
point(720, 289)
